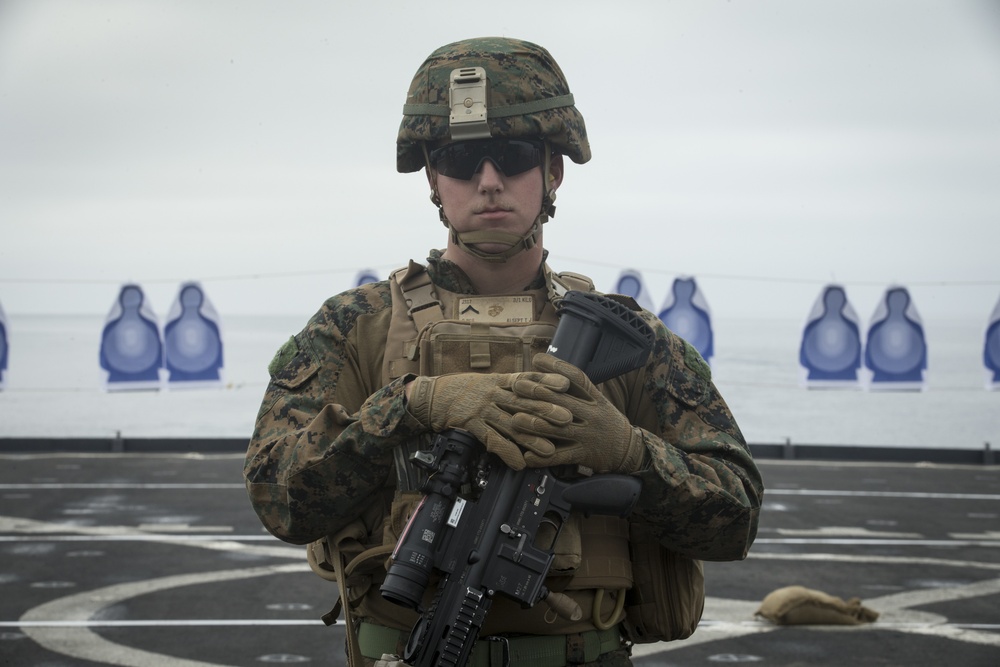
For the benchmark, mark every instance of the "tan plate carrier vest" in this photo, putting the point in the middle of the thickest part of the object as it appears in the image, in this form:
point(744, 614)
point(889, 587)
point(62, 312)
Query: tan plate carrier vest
point(597, 559)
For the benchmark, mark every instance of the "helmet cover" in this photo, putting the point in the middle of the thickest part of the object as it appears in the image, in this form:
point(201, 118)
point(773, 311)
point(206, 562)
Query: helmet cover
point(527, 97)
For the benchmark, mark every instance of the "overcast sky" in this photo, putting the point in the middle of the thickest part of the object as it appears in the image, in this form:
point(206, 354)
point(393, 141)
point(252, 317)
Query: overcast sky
point(765, 147)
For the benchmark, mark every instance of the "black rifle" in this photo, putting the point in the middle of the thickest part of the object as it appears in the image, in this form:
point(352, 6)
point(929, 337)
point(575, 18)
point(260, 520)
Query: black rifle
point(488, 529)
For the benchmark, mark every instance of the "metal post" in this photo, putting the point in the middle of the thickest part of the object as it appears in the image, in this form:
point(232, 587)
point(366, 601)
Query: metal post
point(789, 451)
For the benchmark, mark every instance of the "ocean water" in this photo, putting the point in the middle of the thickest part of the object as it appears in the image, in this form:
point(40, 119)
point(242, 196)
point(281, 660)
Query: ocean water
point(53, 387)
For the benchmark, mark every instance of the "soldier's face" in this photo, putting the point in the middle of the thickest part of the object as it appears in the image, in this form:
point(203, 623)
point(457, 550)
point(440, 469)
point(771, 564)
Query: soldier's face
point(492, 201)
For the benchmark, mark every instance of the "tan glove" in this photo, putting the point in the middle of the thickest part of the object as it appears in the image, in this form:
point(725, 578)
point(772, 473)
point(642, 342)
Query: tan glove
point(484, 405)
point(595, 435)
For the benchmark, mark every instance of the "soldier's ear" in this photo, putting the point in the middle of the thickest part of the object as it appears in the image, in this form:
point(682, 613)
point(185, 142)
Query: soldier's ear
point(555, 171)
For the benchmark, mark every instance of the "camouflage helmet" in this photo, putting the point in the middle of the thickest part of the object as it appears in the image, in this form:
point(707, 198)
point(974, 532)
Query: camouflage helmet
point(526, 95)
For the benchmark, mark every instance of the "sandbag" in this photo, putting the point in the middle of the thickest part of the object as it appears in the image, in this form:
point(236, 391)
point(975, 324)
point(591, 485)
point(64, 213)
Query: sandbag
point(798, 605)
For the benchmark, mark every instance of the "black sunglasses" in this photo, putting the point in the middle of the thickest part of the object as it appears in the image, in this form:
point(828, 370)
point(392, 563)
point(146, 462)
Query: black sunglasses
point(463, 159)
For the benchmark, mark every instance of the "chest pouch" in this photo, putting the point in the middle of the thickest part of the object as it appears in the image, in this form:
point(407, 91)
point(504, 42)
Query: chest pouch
point(453, 346)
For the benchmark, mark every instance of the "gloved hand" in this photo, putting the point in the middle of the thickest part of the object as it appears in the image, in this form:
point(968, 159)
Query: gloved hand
point(595, 434)
point(485, 405)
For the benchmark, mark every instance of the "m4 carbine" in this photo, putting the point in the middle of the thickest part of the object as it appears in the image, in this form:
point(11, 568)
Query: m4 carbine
point(488, 529)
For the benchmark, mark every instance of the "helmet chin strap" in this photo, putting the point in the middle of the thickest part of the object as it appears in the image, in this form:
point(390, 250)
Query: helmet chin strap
point(515, 244)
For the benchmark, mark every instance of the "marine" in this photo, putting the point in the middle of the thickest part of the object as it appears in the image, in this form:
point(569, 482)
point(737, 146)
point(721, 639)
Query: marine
point(459, 341)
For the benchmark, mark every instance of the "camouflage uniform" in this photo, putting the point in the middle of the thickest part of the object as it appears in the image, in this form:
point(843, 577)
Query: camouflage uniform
point(316, 459)
point(321, 455)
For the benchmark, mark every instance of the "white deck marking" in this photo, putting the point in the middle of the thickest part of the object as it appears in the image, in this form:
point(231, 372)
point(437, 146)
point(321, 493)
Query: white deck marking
point(79, 641)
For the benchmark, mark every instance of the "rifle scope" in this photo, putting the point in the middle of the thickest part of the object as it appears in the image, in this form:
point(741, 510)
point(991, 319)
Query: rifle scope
point(450, 460)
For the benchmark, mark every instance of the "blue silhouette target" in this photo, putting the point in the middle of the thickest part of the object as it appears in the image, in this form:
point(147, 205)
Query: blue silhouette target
point(830, 353)
point(131, 349)
point(896, 349)
point(4, 348)
point(991, 350)
point(365, 276)
point(630, 283)
point(192, 339)
point(685, 312)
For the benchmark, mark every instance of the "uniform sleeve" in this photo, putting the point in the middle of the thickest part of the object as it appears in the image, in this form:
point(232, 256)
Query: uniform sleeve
point(321, 449)
point(701, 488)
